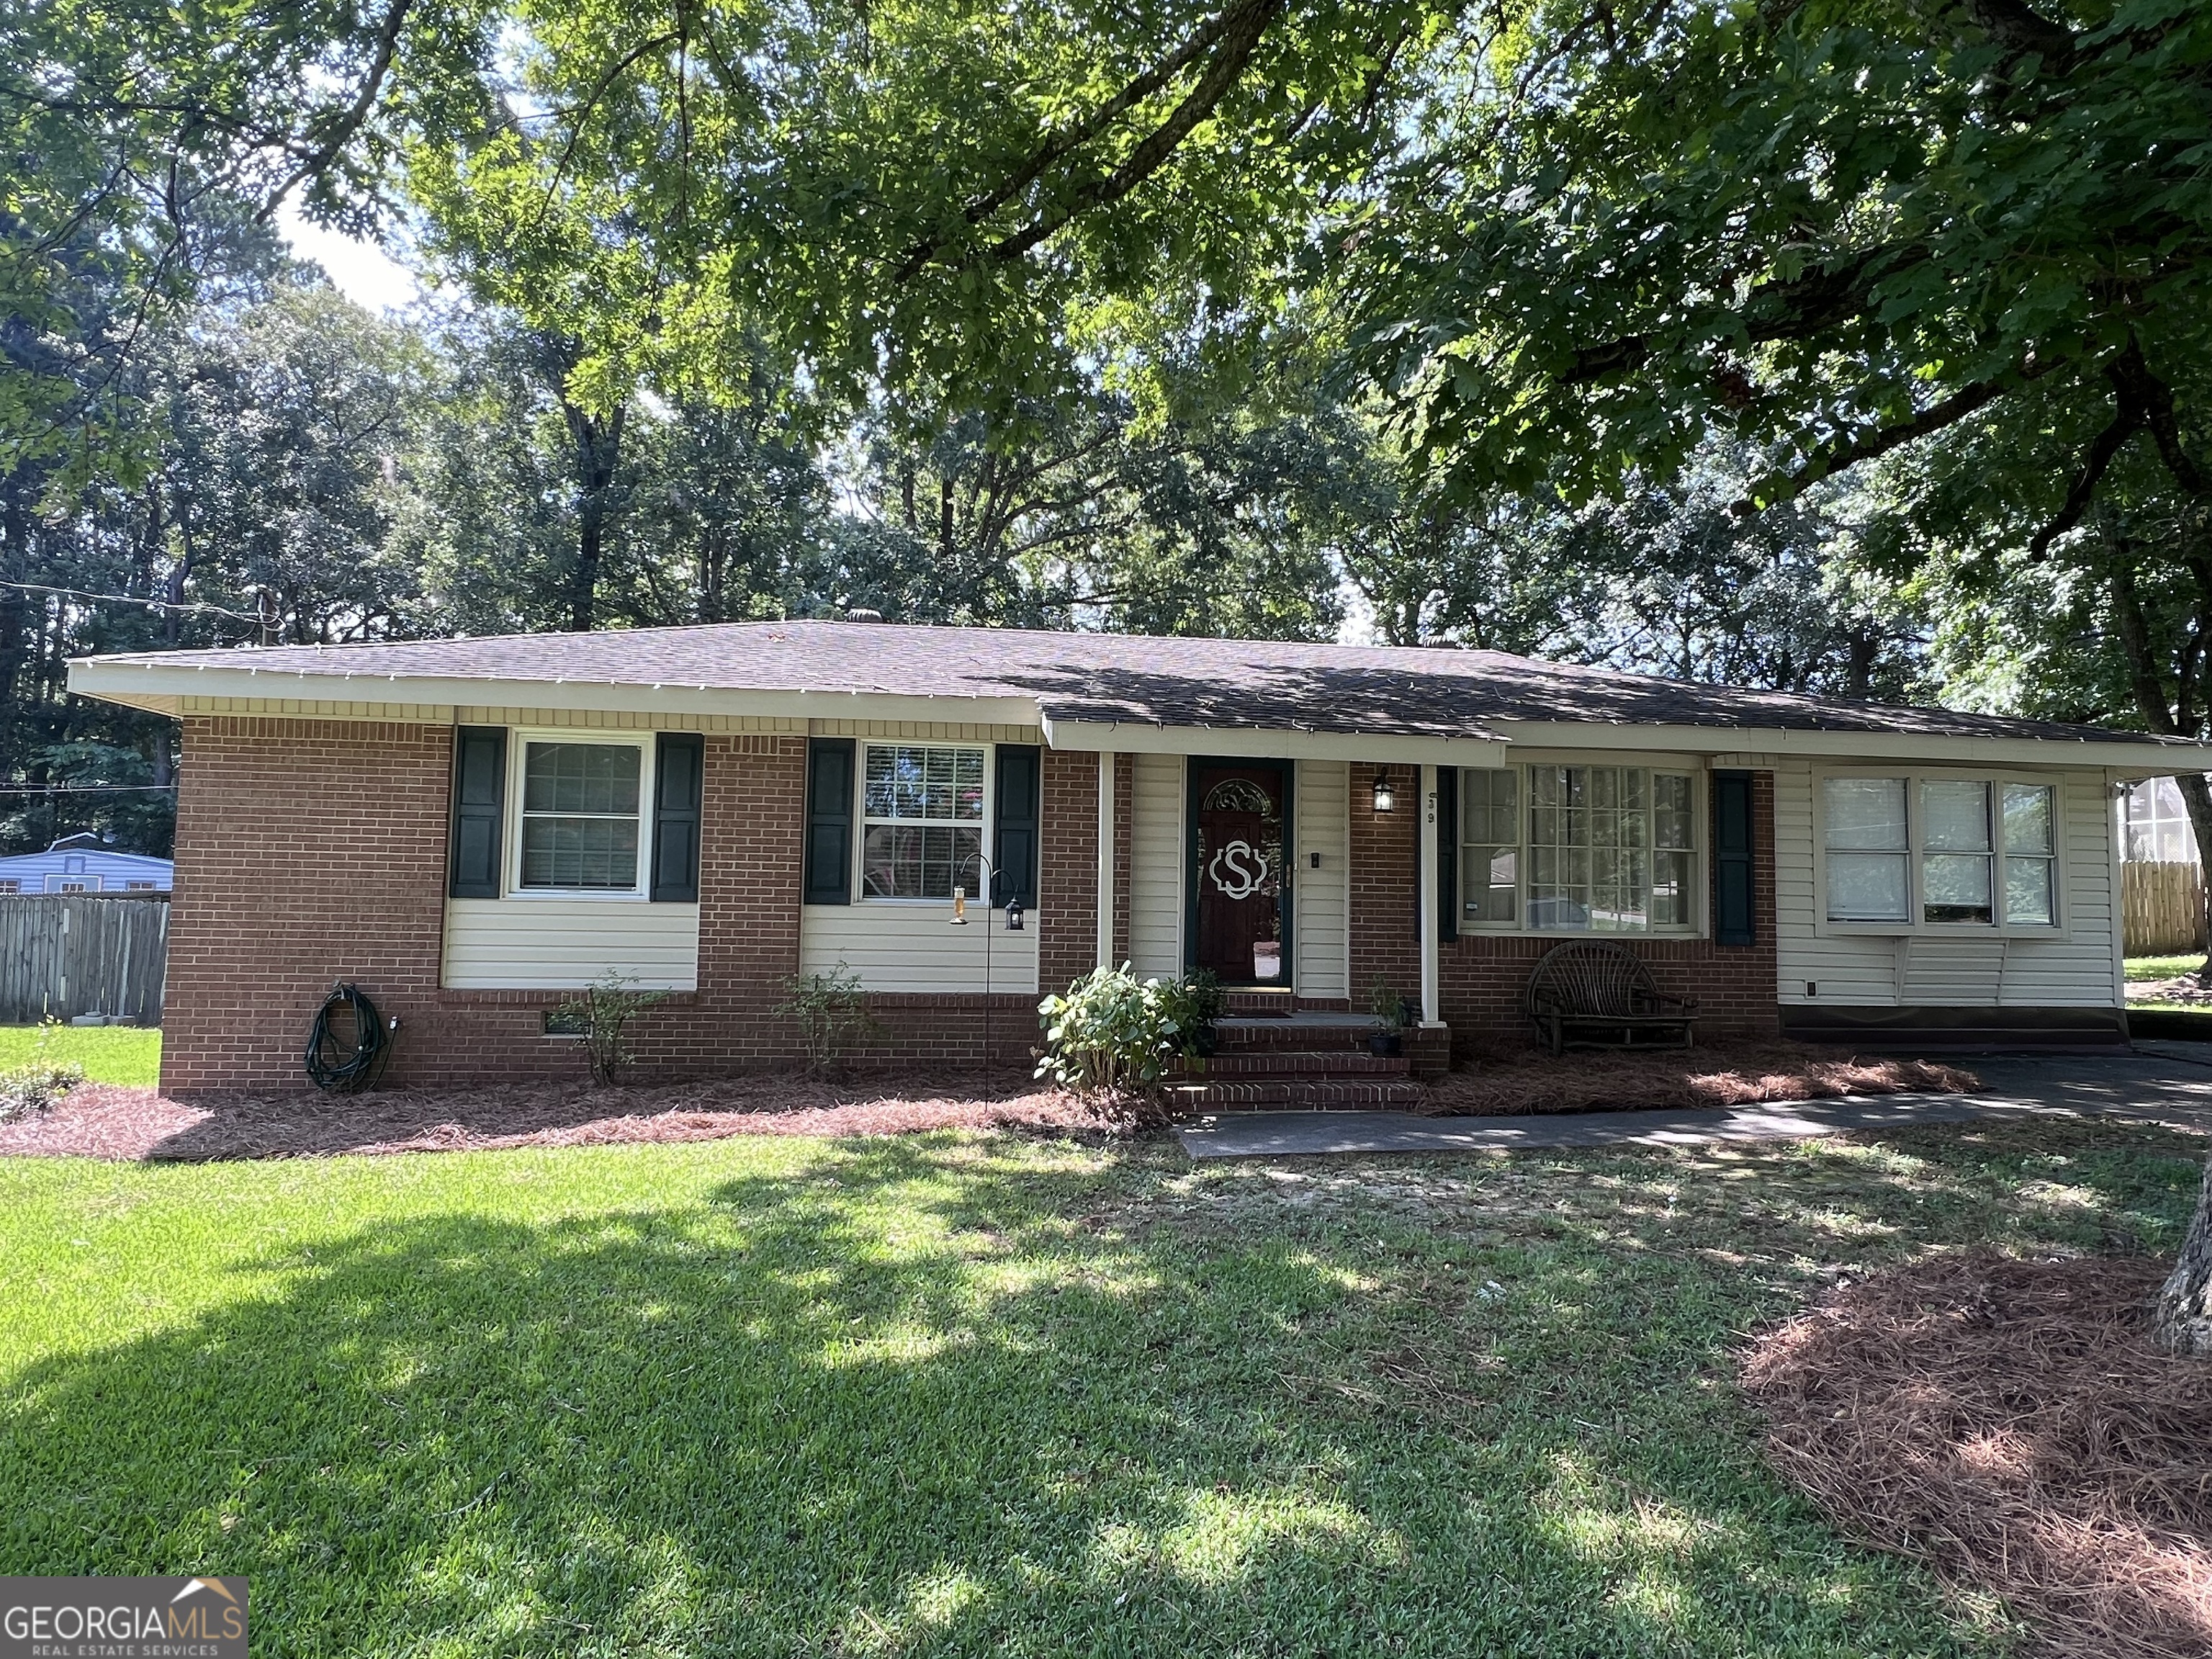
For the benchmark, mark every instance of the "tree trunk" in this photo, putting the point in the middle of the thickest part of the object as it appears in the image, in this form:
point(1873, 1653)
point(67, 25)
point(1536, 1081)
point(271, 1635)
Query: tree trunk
point(598, 452)
point(2181, 1318)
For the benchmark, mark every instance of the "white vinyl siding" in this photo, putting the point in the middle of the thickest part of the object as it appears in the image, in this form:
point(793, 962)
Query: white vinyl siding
point(557, 943)
point(1958, 966)
point(1155, 852)
point(1319, 963)
point(912, 947)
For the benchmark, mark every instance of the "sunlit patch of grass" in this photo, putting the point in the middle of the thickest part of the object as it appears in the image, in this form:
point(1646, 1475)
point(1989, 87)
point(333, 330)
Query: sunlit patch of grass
point(107, 1053)
point(987, 1394)
point(2157, 968)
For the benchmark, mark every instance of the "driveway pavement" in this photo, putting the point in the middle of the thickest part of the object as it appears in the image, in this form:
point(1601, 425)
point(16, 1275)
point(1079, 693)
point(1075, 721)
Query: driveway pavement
point(2160, 1082)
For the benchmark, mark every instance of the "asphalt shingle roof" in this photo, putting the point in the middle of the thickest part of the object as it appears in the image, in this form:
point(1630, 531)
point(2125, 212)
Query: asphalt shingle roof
point(1127, 679)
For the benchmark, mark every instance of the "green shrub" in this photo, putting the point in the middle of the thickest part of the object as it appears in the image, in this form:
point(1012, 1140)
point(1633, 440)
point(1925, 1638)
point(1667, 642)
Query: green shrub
point(1195, 1002)
point(1110, 1032)
point(600, 1015)
point(831, 1012)
point(29, 1090)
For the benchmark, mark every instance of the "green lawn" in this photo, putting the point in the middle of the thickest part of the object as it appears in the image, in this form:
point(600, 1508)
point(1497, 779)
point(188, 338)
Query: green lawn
point(985, 1395)
point(2158, 967)
point(109, 1053)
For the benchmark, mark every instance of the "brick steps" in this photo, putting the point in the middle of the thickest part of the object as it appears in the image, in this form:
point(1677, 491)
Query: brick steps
point(1316, 1062)
point(1303, 1062)
point(1305, 1032)
point(1273, 1093)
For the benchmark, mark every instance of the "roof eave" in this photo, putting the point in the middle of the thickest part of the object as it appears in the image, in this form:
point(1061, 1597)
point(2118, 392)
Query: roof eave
point(1275, 743)
point(2141, 757)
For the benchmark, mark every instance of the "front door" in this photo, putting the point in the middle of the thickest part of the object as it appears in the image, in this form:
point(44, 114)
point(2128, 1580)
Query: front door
point(1239, 848)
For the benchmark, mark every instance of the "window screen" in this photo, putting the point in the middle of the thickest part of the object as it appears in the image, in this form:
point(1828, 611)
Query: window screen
point(580, 816)
point(923, 812)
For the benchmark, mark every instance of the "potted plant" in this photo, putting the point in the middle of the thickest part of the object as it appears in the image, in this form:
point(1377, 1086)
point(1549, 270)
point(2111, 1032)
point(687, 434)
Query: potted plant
point(1393, 1014)
point(1197, 1002)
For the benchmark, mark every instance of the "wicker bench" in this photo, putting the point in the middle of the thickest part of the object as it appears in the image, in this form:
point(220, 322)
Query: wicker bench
point(1590, 994)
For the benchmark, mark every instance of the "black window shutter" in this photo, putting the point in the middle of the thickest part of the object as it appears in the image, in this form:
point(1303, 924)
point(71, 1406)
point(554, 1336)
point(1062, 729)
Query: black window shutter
point(1447, 852)
point(1735, 921)
point(1014, 838)
point(679, 760)
point(479, 804)
point(828, 821)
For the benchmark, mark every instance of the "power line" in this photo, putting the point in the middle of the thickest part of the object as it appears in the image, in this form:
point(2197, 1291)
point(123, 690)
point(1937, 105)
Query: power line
point(183, 607)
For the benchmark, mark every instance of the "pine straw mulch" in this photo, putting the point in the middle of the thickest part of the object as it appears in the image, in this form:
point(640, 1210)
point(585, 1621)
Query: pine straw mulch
point(110, 1121)
point(1724, 1074)
point(2010, 1422)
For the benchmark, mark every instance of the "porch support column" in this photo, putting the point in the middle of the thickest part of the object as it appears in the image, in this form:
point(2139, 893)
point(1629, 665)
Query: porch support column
point(1106, 768)
point(1430, 1006)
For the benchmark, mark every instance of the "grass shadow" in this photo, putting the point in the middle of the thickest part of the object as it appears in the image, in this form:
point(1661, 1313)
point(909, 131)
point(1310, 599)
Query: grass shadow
point(947, 1397)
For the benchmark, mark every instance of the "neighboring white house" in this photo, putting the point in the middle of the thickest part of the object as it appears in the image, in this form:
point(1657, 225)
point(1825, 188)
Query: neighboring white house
point(2156, 824)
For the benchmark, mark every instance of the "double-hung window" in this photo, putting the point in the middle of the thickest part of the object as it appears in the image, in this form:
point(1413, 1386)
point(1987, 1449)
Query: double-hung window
point(1940, 852)
point(581, 818)
point(1597, 849)
point(922, 816)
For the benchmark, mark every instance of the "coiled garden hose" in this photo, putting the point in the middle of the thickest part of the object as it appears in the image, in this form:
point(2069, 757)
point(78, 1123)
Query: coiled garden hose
point(336, 1066)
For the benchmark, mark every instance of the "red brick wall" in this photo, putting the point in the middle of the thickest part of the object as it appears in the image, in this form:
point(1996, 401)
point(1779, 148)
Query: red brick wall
point(1482, 977)
point(1068, 883)
point(310, 851)
point(1384, 944)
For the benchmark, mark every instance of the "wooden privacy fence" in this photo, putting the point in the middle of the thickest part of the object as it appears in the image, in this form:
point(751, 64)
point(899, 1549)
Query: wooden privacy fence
point(66, 954)
point(2162, 909)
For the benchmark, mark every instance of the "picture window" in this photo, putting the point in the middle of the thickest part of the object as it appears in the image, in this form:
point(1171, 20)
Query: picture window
point(1597, 849)
point(1940, 852)
point(922, 812)
point(581, 816)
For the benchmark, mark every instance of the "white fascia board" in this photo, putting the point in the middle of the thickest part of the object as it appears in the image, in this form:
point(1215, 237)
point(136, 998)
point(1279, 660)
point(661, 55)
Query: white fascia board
point(1263, 742)
point(161, 687)
point(2135, 759)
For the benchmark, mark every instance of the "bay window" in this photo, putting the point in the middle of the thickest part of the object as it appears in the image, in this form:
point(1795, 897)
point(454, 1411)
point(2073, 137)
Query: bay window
point(1598, 849)
point(581, 815)
point(1940, 852)
point(922, 818)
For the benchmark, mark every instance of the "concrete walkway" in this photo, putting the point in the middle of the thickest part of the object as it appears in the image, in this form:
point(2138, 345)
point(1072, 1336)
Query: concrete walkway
point(2161, 1082)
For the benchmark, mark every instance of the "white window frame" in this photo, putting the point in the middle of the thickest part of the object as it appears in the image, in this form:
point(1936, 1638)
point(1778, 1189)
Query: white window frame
point(1700, 923)
point(517, 757)
point(861, 820)
point(1916, 924)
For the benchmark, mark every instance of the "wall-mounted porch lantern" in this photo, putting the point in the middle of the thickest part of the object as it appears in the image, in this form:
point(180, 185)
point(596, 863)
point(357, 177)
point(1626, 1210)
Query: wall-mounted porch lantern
point(1384, 800)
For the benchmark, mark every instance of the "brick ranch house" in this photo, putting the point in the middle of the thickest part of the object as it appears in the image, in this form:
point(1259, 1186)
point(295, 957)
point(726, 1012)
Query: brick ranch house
point(469, 828)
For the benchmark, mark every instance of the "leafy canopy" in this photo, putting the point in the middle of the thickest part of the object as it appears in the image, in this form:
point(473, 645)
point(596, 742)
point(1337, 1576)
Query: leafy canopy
point(1824, 227)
